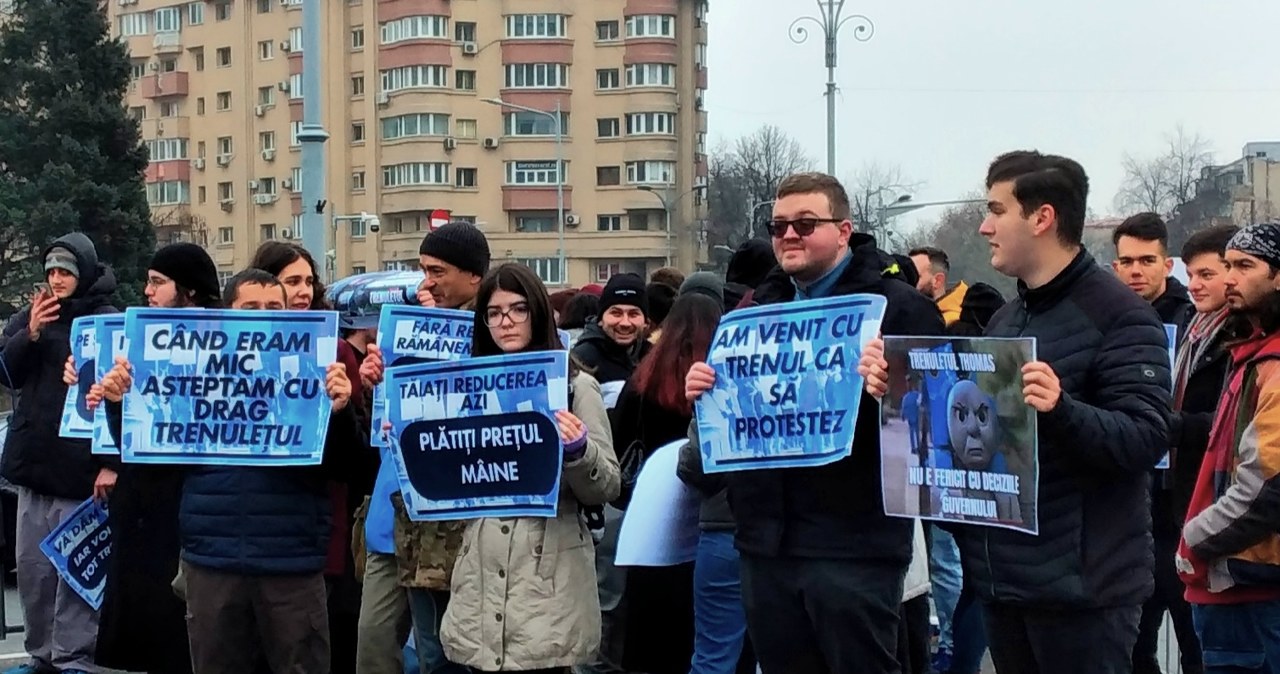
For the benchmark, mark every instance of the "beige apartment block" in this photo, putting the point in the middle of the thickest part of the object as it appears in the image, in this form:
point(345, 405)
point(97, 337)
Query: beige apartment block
point(218, 89)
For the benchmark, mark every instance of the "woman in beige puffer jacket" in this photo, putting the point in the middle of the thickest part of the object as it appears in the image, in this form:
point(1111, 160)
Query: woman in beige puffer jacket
point(524, 592)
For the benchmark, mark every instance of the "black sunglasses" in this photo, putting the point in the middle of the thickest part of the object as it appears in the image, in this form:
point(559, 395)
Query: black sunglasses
point(803, 226)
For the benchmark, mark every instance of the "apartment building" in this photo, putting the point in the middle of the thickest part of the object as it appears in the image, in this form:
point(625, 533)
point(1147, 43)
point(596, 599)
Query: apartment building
point(415, 135)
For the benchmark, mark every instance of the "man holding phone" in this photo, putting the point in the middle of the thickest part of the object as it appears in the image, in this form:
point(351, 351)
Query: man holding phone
point(54, 475)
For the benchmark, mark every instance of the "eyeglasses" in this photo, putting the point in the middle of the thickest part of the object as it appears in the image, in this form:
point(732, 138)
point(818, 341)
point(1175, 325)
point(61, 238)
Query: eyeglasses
point(518, 313)
point(156, 281)
point(803, 226)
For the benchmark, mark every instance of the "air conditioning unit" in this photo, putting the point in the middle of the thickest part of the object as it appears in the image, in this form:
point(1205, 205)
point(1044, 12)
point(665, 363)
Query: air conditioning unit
point(450, 143)
point(572, 220)
point(155, 66)
point(226, 204)
point(253, 185)
point(269, 155)
point(259, 110)
point(491, 143)
point(383, 98)
point(287, 183)
point(470, 48)
point(224, 160)
point(283, 86)
point(286, 46)
point(264, 199)
point(198, 163)
point(286, 233)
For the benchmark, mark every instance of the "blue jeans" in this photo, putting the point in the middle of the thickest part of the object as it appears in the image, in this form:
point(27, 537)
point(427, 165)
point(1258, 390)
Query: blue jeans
point(944, 576)
point(719, 619)
point(427, 608)
point(1239, 638)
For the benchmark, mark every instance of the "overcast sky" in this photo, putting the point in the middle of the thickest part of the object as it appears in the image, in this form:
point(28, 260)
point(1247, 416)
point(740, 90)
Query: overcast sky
point(944, 86)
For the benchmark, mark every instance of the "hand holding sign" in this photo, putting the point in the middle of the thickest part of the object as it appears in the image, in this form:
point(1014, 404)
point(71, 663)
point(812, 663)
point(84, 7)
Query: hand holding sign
point(69, 375)
point(874, 368)
point(1040, 386)
point(372, 369)
point(337, 385)
point(571, 427)
point(118, 381)
point(701, 378)
point(104, 484)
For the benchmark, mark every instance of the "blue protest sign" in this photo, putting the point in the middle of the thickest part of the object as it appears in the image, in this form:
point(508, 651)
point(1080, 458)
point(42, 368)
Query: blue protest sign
point(410, 334)
point(78, 548)
point(228, 387)
point(787, 387)
point(1171, 334)
point(478, 437)
point(77, 419)
point(112, 342)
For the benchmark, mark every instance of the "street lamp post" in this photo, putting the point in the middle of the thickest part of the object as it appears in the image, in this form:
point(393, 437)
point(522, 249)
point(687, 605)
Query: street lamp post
point(312, 136)
point(555, 119)
point(331, 255)
point(830, 21)
point(666, 209)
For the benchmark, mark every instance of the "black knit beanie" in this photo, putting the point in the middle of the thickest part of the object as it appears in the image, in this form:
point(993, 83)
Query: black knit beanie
point(461, 245)
point(190, 267)
point(625, 289)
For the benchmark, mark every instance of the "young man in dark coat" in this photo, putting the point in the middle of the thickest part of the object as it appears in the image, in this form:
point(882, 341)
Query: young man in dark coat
point(822, 565)
point(1069, 599)
point(54, 475)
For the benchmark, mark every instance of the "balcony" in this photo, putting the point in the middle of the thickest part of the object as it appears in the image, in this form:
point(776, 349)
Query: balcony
point(167, 43)
point(166, 127)
point(534, 198)
point(162, 85)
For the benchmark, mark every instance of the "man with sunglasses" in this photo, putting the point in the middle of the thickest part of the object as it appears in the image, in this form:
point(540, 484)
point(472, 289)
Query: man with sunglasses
point(822, 566)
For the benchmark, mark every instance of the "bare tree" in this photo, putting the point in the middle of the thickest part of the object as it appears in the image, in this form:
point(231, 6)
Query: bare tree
point(1165, 182)
point(872, 187)
point(1146, 185)
point(744, 175)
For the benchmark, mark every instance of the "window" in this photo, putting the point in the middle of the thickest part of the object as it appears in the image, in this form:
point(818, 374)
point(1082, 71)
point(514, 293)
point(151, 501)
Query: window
point(222, 11)
point(168, 65)
point(357, 180)
point(531, 172)
point(651, 75)
point(357, 132)
point(606, 271)
point(200, 105)
point(138, 70)
point(466, 80)
point(201, 193)
point(295, 86)
point(651, 172)
point(169, 193)
point(607, 79)
point(198, 55)
point(417, 173)
point(418, 124)
point(638, 221)
point(134, 24)
point(195, 14)
point(294, 129)
point(225, 191)
point(547, 268)
point(167, 149)
point(138, 113)
point(400, 265)
point(267, 140)
point(225, 146)
point(358, 228)
point(414, 77)
point(700, 55)
point(295, 230)
point(357, 85)
point(607, 176)
point(465, 177)
point(224, 100)
point(537, 76)
point(200, 152)
point(464, 128)
point(224, 57)
point(266, 95)
point(532, 124)
point(535, 25)
point(266, 232)
point(607, 127)
point(266, 186)
point(606, 31)
point(609, 223)
point(357, 37)
point(295, 40)
point(226, 235)
point(168, 20)
point(651, 25)
point(357, 269)
point(536, 223)
point(170, 109)
point(415, 28)
point(469, 219)
point(266, 50)
point(464, 31)
point(651, 123)
point(264, 6)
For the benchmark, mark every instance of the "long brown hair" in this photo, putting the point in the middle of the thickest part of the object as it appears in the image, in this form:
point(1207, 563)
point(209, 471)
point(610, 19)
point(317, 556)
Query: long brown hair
point(519, 279)
point(273, 256)
point(686, 338)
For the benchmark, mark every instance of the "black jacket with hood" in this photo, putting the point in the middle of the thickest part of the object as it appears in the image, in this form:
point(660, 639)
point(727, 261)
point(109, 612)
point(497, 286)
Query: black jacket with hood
point(1174, 305)
point(35, 456)
point(609, 361)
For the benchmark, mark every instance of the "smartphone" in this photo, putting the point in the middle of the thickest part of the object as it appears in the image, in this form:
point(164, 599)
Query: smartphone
point(43, 289)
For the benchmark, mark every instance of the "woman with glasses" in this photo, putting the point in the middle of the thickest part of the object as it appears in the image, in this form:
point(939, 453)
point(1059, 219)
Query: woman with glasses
point(524, 589)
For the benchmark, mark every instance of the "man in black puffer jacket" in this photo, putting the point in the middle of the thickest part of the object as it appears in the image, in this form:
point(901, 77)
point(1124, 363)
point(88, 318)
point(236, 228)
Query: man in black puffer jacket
point(1069, 599)
point(54, 474)
point(822, 565)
